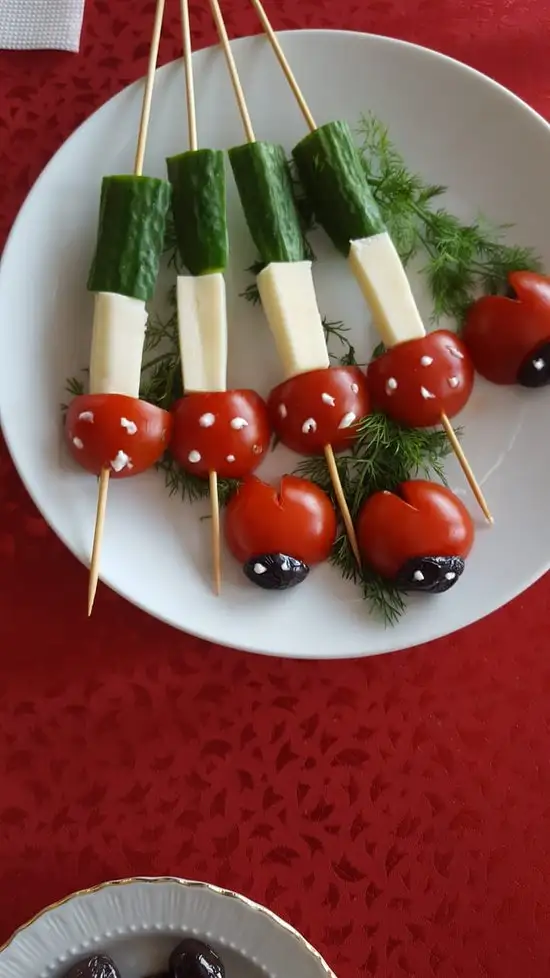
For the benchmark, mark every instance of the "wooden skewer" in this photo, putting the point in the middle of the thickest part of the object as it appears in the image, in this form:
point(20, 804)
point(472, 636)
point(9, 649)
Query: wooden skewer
point(233, 73)
point(194, 145)
point(247, 125)
point(299, 96)
point(466, 468)
point(287, 70)
point(138, 170)
point(216, 546)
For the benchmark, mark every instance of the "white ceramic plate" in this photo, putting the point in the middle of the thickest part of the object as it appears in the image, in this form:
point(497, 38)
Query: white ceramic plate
point(455, 127)
point(139, 922)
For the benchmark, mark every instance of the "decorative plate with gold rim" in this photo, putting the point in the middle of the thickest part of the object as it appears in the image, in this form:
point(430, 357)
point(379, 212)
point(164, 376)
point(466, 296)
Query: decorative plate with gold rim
point(139, 921)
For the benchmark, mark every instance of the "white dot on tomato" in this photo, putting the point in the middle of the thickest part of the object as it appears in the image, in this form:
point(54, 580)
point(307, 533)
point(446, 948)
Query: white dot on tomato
point(194, 456)
point(130, 426)
point(454, 381)
point(207, 420)
point(229, 458)
point(238, 423)
point(78, 443)
point(455, 353)
point(426, 394)
point(282, 410)
point(309, 425)
point(347, 420)
point(86, 416)
point(354, 388)
point(426, 361)
point(121, 461)
point(328, 399)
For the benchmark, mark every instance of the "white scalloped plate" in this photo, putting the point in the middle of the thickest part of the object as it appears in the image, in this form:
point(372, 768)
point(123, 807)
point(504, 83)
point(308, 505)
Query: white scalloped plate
point(455, 127)
point(139, 921)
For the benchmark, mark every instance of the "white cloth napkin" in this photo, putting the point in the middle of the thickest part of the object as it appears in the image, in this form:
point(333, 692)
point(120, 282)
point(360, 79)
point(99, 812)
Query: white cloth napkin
point(39, 24)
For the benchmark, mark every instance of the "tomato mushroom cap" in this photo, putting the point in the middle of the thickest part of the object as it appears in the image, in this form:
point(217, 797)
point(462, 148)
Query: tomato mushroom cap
point(114, 431)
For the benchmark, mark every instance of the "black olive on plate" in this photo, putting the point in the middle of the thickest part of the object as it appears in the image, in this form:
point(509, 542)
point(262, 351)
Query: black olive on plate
point(431, 575)
point(275, 572)
point(535, 369)
point(95, 966)
point(193, 959)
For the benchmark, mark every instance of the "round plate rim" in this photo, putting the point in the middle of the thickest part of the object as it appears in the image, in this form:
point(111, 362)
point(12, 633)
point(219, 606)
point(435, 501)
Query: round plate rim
point(431, 635)
point(180, 882)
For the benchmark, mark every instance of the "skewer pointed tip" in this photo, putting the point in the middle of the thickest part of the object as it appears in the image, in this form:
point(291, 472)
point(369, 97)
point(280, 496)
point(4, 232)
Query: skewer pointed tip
point(342, 503)
point(98, 537)
point(467, 469)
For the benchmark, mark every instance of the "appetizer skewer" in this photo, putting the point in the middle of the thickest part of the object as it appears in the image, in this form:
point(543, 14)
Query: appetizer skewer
point(216, 431)
point(333, 177)
point(110, 431)
point(317, 407)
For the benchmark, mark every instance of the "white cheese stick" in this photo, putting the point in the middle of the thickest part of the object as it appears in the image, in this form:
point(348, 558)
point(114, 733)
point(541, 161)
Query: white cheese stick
point(202, 324)
point(118, 335)
point(384, 284)
point(290, 305)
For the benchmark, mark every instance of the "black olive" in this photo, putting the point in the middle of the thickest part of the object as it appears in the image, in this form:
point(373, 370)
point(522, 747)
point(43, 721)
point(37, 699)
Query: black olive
point(275, 572)
point(433, 575)
point(535, 369)
point(193, 959)
point(96, 966)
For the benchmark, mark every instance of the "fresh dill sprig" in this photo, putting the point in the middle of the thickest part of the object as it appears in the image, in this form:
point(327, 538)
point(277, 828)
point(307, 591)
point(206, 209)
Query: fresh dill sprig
point(463, 260)
point(335, 329)
point(74, 386)
point(252, 292)
point(189, 487)
point(384, 455)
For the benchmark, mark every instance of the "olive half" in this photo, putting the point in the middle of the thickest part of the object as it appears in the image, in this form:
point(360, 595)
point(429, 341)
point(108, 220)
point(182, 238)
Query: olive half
point(193, 959)
point(535, 369)
point(275, 572)
point(96, 966)
point(432, 575)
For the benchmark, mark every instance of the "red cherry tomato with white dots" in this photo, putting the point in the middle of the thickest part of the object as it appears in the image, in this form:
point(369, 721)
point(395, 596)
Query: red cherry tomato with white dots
point(221, 431)
point(416, 382)
point(319, 408)
point(117, 432)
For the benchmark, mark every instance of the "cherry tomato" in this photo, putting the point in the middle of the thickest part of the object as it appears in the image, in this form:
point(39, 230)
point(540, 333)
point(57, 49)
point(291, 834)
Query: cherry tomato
point(398, 530)
point(509, 338)
point(117, 432)
point(298, 520)
point(223, 431)
point(415, 382)
point(319, 408)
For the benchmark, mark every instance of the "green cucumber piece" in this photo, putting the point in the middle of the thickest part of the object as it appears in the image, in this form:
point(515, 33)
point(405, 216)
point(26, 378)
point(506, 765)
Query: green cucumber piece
point(198, 205)
point(332, 175)
point(130, 237)
point(264, 183)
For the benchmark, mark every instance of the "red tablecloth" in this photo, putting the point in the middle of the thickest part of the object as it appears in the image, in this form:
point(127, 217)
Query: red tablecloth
point(396, 810)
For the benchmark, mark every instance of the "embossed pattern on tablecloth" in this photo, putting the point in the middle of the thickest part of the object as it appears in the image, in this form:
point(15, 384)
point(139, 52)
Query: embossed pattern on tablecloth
point(396, 810)
point(41, 24)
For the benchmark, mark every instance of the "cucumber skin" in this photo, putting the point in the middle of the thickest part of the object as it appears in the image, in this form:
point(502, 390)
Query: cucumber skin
point(332, 175)
point(130, 237)
point(199, 209)
point(263, 179)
